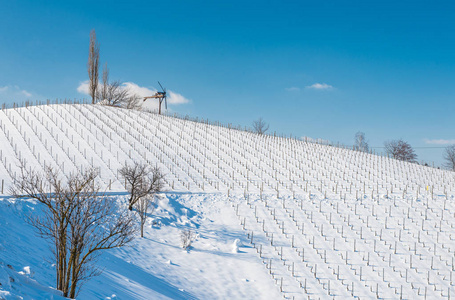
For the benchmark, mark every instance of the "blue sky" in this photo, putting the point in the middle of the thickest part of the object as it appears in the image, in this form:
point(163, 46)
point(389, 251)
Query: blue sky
point(323, 69)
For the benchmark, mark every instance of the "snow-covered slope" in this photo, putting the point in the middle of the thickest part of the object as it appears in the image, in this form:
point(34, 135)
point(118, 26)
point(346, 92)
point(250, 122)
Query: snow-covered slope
point(315, 221)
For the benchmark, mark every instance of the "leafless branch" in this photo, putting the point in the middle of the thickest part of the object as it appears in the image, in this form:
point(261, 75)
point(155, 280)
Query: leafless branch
point(115, 93)
point(401, 150)
point(141, 181)
point(133, 102)
point(144, 206)
point(260, 126)
point(449, 156)
point(77, 220)
point(360, 143)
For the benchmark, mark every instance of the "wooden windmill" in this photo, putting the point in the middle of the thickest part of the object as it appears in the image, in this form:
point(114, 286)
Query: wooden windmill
point(161, 96)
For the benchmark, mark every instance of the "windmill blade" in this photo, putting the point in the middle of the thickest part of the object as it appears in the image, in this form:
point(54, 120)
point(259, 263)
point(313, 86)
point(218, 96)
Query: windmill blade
point(161, 87)
point(165, 99)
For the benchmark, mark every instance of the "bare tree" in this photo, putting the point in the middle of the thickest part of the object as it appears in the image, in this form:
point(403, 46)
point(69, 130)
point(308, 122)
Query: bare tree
point(133, 102)
point(361, 143)
point(115, 93)
point(449, 156)
point(102, 91)
point(76, 219)
point(93, 64)
point(144, 206)
point(260, 126)
point(401, 150)
point(141, 181)
point(111, 93)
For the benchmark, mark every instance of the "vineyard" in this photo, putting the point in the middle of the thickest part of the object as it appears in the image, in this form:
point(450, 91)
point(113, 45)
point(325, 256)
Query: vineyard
point(323, 222)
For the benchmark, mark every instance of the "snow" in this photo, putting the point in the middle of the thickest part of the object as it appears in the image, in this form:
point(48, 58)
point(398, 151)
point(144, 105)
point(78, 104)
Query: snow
point(273, 217)
point(151, 267)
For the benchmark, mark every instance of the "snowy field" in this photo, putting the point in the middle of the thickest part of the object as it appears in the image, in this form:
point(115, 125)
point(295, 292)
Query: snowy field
point(221, 264)
point(274, 217)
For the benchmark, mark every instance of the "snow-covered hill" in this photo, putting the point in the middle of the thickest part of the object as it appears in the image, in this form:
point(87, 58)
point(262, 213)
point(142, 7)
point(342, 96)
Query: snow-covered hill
point(275, 217)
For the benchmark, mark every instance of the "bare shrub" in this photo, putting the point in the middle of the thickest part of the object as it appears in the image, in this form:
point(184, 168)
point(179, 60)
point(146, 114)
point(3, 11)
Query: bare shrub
point(77, 221)
point(114, 93)
point(187, 238)
point(449, 156)
point(133, 102)
point(141, 181)
point(360, 142)
point(260, 126)
point(93, 64)
point(401, 150)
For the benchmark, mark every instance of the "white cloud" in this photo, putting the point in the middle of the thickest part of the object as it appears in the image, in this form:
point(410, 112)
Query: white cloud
point(176, 98)
point(320, 86)
point(439, 142)
point(293, 89)
point(25, 93)
point(83, 88)
point(139, 90)
point(172, 99)
point(14, 93)
point(151, 104)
